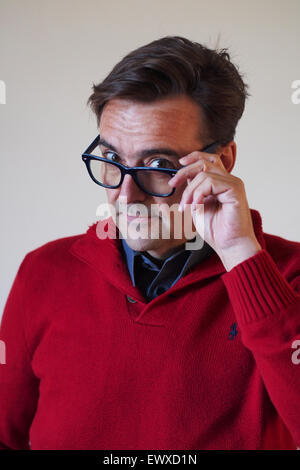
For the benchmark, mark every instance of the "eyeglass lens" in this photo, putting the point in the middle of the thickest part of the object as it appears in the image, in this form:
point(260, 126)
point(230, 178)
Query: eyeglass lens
point(110, 175)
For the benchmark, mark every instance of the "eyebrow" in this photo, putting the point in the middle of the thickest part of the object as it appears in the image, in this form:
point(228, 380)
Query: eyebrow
point(146, 152)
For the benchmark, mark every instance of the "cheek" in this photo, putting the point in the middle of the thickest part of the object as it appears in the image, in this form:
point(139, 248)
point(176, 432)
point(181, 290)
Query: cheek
point(177, 218)
point(112, 195)
point(176, 197)
point(168, 213)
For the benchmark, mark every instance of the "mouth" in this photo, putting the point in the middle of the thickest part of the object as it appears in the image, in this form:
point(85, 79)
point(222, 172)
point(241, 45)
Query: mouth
point(138, 218)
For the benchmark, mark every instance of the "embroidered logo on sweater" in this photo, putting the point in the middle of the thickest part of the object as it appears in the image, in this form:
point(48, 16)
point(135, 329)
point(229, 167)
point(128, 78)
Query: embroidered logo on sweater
point(233, 331)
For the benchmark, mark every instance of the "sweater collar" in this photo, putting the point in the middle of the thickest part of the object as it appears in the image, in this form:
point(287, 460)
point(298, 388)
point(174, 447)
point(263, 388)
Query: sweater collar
point(106, 256)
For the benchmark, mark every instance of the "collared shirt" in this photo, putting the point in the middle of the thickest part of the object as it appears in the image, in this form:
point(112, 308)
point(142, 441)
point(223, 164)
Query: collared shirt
point(154, 276)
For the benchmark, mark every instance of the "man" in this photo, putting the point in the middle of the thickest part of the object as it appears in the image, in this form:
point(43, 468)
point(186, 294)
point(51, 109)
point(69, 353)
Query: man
point(125, 342)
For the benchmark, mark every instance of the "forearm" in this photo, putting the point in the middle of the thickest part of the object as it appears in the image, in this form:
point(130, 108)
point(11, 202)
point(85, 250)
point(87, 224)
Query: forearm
point(267, 309)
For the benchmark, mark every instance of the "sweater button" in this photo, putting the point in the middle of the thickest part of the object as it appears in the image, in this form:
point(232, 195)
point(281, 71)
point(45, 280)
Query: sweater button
point(130, 299)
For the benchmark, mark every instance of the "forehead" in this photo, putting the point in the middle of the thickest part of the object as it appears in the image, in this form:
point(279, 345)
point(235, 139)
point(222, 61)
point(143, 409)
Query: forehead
point(176, 120)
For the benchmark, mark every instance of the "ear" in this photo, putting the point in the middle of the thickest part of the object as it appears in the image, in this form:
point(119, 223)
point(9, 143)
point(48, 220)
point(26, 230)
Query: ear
point(228, 155)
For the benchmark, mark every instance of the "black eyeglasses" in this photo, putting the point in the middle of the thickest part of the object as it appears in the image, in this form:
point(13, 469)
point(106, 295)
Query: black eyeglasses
point(109, 174)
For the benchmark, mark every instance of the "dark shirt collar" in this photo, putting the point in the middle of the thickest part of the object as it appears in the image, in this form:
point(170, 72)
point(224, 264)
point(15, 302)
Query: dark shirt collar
point(166, 271)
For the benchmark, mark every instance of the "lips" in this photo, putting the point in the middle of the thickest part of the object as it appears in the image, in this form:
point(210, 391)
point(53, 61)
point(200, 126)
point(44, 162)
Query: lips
point(136, 217)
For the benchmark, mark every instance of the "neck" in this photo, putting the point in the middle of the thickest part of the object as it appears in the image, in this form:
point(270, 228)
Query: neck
point(165, 253)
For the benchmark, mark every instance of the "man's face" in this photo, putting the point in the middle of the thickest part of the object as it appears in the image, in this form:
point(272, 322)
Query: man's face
point(130, 128)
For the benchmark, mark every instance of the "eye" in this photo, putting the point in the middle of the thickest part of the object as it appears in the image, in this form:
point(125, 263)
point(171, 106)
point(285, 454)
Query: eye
point(110, 156)
point(162, 163)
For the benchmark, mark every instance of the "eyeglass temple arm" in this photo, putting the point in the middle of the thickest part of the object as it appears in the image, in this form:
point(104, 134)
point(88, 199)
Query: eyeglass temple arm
point(92, 146)
point(210, 148)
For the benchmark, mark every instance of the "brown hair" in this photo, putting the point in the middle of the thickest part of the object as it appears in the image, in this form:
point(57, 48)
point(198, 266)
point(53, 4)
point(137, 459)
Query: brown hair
point(173, 66)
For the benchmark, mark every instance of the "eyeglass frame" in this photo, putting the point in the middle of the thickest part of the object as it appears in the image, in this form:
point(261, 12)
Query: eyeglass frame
point(87, 157)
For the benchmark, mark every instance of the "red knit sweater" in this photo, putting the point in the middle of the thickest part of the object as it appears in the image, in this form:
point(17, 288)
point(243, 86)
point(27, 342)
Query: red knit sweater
point(213, 363)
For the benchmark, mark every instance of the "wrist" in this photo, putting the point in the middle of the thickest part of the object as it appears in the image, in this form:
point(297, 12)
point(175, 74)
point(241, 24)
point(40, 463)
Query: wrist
point(239, 252)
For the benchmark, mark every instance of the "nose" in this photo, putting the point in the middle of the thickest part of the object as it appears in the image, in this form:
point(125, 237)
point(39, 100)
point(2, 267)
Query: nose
point(131, 191)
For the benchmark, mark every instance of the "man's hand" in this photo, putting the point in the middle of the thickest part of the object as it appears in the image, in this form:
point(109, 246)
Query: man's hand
point(228, 227)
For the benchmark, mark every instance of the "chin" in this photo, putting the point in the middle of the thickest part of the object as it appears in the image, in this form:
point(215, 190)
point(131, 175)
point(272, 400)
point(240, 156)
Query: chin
point(141, 244)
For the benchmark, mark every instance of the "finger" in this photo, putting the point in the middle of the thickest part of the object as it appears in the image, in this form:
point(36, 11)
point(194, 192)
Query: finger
point(190, 171)
point(210, 184)
point(187, 195)
point(214, 158)
point(194, 156)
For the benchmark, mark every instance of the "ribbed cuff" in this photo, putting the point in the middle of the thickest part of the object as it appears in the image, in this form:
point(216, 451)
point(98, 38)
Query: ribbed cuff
point(257, 289)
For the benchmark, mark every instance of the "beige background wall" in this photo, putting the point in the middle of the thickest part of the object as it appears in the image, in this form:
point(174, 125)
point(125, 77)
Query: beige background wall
point(52, 51)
